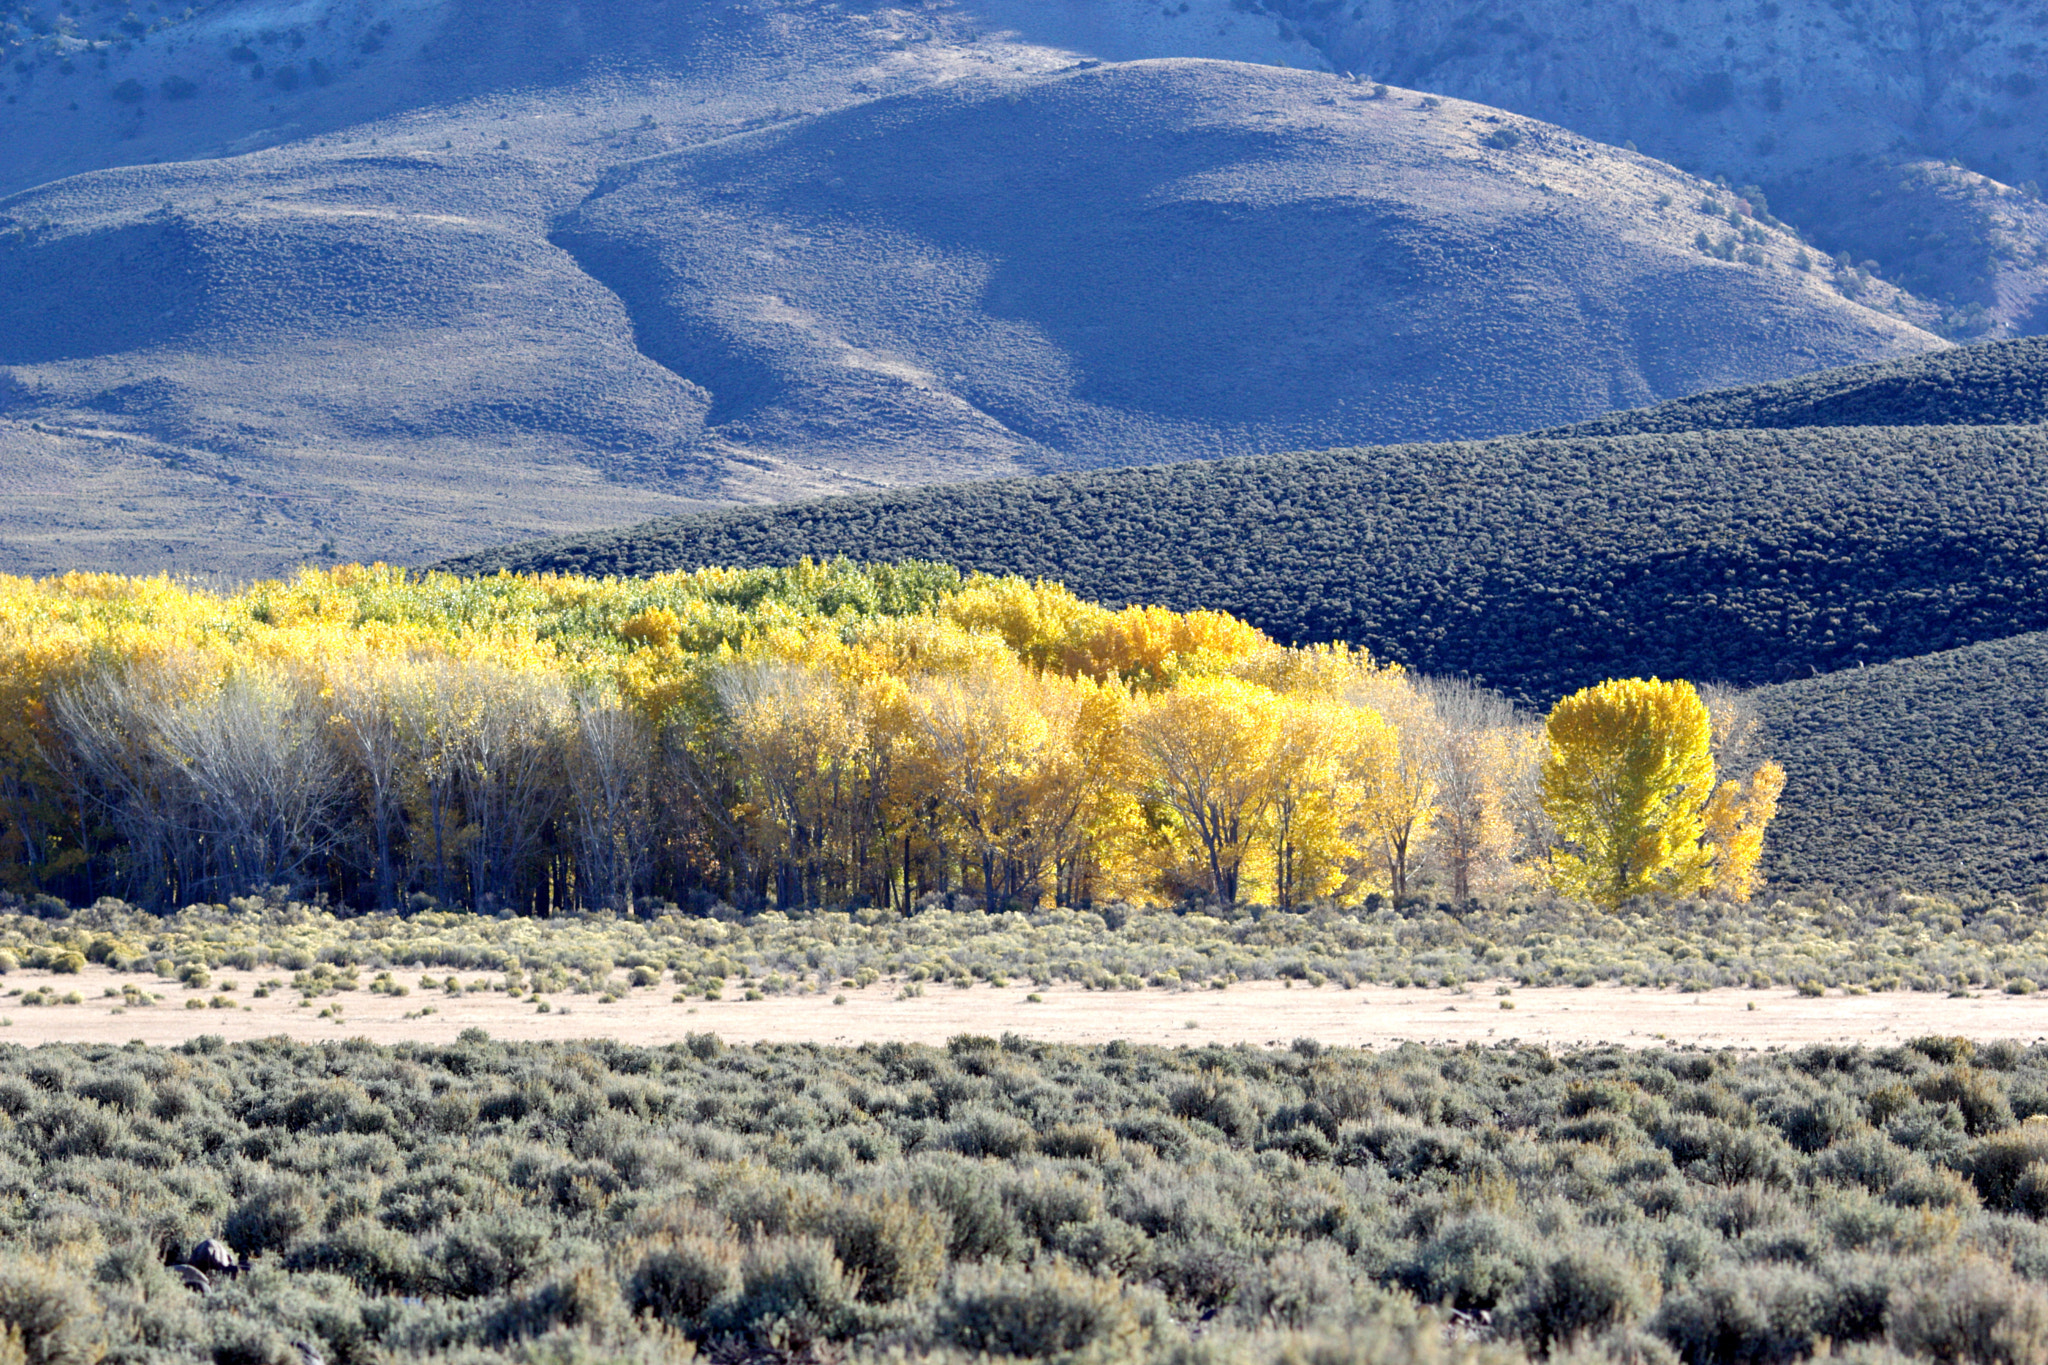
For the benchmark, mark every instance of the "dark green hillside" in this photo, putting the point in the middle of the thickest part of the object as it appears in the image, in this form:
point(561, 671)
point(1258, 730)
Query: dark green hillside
point(1930, 773)
point(2004, 382)
point(1536, 565)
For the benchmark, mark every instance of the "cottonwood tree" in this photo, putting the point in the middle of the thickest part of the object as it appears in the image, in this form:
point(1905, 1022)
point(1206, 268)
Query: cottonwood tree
point(1477, 756)
point(1394, 768)
point(610, 764)
point(1626, 779)
point(507, 761)
point(264, 787)
point(364, 721)
point(1207, 750)
point(221, 784)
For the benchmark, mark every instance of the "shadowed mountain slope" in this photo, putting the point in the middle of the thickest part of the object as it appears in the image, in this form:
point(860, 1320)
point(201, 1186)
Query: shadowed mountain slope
point(1929, 773)
point(1175, 259)
point(421, 337)
point(2004, 382)
point(1535, 565)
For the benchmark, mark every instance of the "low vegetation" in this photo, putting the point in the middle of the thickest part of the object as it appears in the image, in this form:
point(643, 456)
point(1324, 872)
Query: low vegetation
point(1930, 773)
point(590, 1202)
point(1535, 566)
point(1815, 943)
point(2004, 383)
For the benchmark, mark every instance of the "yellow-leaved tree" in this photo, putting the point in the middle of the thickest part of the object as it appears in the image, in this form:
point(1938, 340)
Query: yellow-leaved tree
point(1208, 752)
point(1627, 774)
point(1735, 821)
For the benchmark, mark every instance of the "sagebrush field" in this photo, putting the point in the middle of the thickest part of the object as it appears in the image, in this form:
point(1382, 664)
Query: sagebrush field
point(555, 1202)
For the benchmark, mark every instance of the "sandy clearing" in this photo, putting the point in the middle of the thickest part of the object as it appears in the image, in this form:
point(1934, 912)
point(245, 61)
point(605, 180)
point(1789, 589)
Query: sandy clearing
point(1258, 1013)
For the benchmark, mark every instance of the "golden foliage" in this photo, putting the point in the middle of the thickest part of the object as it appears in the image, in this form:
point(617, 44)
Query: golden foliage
point(818, 734)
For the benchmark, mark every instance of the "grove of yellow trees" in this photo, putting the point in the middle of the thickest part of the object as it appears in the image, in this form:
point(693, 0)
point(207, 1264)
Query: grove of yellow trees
point(818, 735)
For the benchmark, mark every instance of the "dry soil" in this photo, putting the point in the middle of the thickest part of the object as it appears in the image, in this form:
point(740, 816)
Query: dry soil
point(1262, 1014)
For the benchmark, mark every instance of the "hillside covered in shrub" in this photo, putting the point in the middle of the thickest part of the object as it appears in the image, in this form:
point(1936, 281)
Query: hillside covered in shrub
point(2003, 383)
point(1929, 772)
point(483, 1201)
point(1534, 565)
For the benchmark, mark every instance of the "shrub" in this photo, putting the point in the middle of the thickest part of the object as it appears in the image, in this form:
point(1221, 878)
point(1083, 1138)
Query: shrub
point(1107, 1246)
point(793, 1295)
point(482, 1256)
point(679, 1282)
point(2001, 1164)
point(1976, 1094)
point(375, 1259)
point(1045, 1201)
point(1473, 1262)
point(1079, 1141)
point(1944, 1051)
point(1052, 1309)
point(972, 1202)
point(1869, 1160)
point(271, 1217)
point(984, 1132)
point(1576, 1293)
point(896, 1249)
point(1748, 1315)
point(1817, 1123)
point(1975, 1310)
point(55, 1320)
point(1720, 1153)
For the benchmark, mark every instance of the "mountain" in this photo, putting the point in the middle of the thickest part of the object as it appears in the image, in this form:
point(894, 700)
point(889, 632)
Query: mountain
point(1128, 264)
point(538, 311)
point(1534, 565)
point(1902, 134)
point(1929, 774)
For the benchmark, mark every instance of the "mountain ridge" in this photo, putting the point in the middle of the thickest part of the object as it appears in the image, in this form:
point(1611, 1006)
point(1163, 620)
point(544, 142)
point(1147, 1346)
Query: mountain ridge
point(390, 343)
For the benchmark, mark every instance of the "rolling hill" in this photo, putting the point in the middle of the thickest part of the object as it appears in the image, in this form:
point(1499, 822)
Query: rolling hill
point(1173, 259)
point(1999, 383)
point(434, 335)
point(1928, 773)
point(1535, 565)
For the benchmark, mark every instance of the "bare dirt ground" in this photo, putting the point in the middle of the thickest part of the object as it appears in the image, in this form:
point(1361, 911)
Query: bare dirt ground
point(1263, 1014)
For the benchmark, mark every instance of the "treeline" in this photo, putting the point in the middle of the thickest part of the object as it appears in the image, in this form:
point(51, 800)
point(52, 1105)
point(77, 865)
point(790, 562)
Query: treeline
point(1534, 566)
point(823, 735)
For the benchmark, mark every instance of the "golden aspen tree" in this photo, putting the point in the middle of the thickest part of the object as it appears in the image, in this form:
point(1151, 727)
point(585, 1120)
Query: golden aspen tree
point(1626, 779)
point(803, 749)
point(1208, 750)
point(1313, 818)
point(1735, 821)
point(1000, 752)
